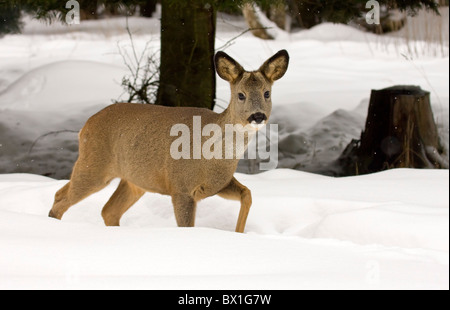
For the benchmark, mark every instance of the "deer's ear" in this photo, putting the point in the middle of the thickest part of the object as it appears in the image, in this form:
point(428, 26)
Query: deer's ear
point(275, 67)
point(227, 68)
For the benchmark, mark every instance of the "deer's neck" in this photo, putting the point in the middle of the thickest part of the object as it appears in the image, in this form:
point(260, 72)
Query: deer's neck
point(226, 117)
point(230, 125)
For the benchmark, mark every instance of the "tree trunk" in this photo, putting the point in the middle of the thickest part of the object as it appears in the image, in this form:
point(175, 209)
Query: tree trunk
point(254, 23)
point(304, 14)
point(295, 12)
point(277, 14)
point(187, 76)
point(400, 132)
point(148, 8)
point(88, 10)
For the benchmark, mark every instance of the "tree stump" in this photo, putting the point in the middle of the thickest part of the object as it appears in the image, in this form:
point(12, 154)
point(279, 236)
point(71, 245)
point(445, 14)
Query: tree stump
point(400, 132)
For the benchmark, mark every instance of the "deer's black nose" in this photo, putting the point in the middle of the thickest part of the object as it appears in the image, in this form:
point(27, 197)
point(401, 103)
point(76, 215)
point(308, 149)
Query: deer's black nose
point(258, 118)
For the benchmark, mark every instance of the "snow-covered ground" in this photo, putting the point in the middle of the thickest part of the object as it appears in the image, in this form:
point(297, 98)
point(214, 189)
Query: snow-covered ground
point(386, 230)
point(382, 231)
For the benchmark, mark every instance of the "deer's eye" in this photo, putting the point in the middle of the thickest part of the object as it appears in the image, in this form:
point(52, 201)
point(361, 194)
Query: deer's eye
point(241, 96)
point(267, 95)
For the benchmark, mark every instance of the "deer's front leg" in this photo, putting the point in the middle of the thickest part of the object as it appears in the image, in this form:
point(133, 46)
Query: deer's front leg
point(236, 191)
point(184, 207)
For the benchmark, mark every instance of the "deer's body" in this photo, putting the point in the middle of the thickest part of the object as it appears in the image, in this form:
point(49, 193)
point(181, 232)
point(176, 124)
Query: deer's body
point(136, 148)
point(132, 142)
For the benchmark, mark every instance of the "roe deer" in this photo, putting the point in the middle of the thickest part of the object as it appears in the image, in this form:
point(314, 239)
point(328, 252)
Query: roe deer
point(132, 142)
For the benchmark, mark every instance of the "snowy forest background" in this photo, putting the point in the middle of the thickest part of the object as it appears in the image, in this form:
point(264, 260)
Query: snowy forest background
point(306, 229)
point(316, 123)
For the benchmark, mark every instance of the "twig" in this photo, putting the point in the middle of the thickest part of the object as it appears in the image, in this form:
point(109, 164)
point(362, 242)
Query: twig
point(142, 82)
point(229, 42)
point(48, 134)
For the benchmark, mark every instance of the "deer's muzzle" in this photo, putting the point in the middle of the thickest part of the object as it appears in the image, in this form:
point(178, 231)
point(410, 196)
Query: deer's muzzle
point(257, 118)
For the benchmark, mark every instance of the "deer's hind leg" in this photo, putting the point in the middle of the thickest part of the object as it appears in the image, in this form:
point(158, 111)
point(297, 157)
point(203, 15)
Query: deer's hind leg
point(123, 198)
point(83, 182)
point(236, 191)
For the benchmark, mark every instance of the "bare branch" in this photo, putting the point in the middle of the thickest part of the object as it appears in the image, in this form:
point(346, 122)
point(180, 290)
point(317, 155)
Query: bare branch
point(48, 134)
point(230, 42)
point(142, 82)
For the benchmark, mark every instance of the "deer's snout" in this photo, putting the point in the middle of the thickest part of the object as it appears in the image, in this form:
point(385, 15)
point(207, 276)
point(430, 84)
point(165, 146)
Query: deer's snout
point(257, 118)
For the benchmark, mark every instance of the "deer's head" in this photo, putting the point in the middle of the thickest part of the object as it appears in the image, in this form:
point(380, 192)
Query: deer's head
point(251, 90)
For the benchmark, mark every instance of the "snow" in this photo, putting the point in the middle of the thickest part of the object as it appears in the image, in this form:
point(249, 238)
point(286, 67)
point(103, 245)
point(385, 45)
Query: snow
point(305, 231)
point(35, 91)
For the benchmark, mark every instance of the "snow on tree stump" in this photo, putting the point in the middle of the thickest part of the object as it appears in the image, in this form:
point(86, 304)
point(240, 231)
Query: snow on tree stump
point(400, 132)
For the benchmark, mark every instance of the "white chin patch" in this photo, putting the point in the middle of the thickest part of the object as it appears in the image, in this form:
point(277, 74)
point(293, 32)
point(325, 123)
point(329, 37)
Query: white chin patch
point(257, 126)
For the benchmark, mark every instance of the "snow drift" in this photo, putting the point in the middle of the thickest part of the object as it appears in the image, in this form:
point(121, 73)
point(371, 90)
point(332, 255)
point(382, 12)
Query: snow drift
point(383, 231)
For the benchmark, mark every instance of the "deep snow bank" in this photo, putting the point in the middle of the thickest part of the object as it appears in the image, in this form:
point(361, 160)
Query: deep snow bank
point(386, 230)
point(63, 86)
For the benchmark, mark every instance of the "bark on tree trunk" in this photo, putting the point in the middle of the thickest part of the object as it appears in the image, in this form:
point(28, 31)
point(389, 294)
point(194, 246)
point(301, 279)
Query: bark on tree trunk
point(187, 76)
point(400, 132)
point(277, 14)
point(258, 30)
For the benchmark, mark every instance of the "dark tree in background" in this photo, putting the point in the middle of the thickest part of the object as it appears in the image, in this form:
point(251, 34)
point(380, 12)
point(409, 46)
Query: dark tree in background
point(9, 18)
point(313, 12)
point(187, 76)
point(188, 29)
